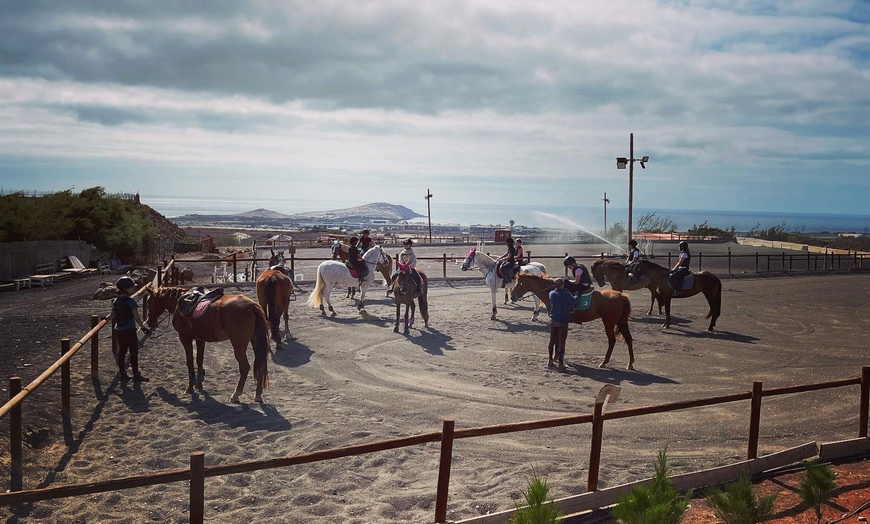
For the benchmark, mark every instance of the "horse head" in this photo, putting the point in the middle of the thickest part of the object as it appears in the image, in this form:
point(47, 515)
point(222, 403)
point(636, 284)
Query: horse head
point(469, 259)
point(160, 300)
point(277, 259)
point(376, 255)
point(597, 271)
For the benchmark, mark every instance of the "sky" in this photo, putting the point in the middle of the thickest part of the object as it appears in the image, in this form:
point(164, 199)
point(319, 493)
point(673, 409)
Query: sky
point(740, 105)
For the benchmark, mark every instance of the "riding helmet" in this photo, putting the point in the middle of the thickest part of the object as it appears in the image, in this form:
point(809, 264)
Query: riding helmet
point(124, 283)
point(569, 261)
point(366, 232)
point(684, 245)
point(354, 240)
point(632, 242)
point(408, 242)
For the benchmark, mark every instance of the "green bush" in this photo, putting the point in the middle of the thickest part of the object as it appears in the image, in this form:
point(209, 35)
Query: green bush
point(736, 504)
point(539, 509)
point(817, 485)
point(655, 503)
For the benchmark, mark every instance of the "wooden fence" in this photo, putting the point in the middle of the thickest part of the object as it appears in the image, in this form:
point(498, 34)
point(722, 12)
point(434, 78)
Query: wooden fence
point(198, 471)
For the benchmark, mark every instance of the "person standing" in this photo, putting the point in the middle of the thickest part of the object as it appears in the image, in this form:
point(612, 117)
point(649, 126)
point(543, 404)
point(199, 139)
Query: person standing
point(680, 269)
point(124, 318)
point(560, 311)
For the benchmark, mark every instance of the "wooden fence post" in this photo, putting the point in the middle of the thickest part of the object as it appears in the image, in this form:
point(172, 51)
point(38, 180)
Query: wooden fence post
point(444, 263)
point(865, 401)
point(197, 487)
point(95, 348)
point(700, 261)
point(444, 471)
point(65, 380)
point(729, 260)
point(16, 457)
point(756, 261)
point(595, 447)
point(754, 420)
point(235, 269)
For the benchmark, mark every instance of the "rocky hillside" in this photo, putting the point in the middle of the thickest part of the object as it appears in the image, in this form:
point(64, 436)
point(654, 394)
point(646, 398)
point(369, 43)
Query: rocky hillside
point(374, 211)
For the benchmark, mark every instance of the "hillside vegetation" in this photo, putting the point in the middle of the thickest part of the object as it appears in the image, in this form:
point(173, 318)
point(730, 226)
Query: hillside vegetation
point(117, 225)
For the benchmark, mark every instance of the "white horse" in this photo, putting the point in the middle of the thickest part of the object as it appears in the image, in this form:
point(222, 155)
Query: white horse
point(331, 273)
point(487, 266)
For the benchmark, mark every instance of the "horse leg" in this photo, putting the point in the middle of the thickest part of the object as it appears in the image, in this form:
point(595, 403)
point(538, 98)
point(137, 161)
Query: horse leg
point(629, 341)
point(326, 294)
point(362, 294)
point(407, 311)
point(413, 307)
point(667, 323)
point(537, 308)
point(244, 368)
point(188, 356)
point(200, 355)
point(611, 341)
point(398, 312)
point(494, 308)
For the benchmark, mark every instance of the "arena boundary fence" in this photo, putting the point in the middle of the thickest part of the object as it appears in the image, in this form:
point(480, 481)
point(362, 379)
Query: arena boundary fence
point(593, 498)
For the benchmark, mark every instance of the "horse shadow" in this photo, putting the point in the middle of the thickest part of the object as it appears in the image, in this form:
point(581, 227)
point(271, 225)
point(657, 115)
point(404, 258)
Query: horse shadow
point(522, 328)
point(722, 335)
point(211, 411)
point(616, 376)
point(292, 354)
point(432, 341)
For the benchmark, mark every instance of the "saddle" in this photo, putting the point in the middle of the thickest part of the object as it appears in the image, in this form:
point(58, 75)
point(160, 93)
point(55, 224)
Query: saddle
point(582, 302)
point(500, 267)
point(283, 269)
point(688, 282)
point(194, 303)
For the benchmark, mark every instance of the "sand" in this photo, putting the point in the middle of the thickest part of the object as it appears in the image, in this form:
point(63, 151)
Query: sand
point(348, 380)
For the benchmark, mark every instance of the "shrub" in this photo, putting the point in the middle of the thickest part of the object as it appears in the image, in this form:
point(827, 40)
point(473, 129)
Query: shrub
point(539, 509)
point(736, 504)
point(817, 485)
point(655, 503)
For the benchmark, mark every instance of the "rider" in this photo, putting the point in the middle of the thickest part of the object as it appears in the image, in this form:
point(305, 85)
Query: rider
point(680, 269)
point(580, 280)
point(510, 260)
point(407, 256)
point(631, 260)
point(354, 261)
point(521, 253)
point(365, 241)
point(124, 318)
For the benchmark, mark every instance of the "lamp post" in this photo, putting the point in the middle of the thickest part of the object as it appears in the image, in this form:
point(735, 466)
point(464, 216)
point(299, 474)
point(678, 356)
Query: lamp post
point(429, 212)
point(606, 201)
point(621, 163)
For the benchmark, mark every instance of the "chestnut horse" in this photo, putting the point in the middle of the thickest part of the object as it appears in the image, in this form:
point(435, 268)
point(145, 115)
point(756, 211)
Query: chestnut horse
point(405, 291)
point(339, 252)
point(704, 282)
point(274, 289)
point(236, 318)
point(612, 307)
point(614, 272)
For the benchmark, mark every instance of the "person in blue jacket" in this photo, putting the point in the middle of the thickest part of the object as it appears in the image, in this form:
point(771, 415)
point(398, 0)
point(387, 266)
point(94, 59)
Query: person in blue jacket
point(560, 310)
point(124, 318)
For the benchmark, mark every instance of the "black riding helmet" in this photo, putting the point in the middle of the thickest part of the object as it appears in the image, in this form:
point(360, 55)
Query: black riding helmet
point(684, 245)
point(632, 242)
point(125, 282)
point(569, 261)
point(408, 242)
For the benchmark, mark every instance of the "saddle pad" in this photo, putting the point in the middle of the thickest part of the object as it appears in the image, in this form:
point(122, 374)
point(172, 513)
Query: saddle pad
point(200, 308)
point(583, 302)
point(688, 281)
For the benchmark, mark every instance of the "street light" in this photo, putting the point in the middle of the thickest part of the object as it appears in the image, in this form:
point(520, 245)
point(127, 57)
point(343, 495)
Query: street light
point(606, 201)
point(429, 212)
point(621, 163)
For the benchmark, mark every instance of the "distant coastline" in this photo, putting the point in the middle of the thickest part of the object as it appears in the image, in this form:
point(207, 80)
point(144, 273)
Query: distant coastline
point(569, 217)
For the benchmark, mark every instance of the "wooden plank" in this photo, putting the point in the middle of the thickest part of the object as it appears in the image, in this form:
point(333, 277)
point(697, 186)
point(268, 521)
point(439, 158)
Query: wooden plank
point(607, 497)
point(844, 448)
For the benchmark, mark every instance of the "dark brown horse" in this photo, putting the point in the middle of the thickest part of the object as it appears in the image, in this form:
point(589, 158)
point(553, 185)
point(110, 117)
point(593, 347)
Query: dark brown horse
point(612, 307)
point(274, 289)
point(339, 252)
point(405, 291)
point(236, 318)
point(704, 282)
point(613, 271)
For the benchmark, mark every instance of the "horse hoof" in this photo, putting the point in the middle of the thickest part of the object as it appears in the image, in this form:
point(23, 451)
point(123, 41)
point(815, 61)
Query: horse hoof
point(199, 386)
point(189, 389)
point(602, 365)
point(492, 317)
point(258, 399)
point(631, 367)
point(396, 329)
point(551, 364)
point(234, 399)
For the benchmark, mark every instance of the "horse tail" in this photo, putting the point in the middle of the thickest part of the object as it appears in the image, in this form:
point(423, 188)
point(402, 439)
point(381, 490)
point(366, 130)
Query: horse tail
point(716, 302)
point(424, 302)
point(262, 348)
point(272, 312)
point(314, 300)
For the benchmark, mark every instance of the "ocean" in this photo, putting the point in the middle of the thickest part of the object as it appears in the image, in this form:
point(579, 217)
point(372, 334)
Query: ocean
point(584, 218)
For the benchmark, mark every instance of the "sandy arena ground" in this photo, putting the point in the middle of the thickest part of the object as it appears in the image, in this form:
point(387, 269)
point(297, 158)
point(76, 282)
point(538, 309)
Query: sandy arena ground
point(347, 380)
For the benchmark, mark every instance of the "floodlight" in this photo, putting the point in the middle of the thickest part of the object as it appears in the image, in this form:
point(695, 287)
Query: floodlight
point(621, 162)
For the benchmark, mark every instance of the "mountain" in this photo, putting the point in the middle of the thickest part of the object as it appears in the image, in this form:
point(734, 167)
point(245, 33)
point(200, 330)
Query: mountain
point(374, 211)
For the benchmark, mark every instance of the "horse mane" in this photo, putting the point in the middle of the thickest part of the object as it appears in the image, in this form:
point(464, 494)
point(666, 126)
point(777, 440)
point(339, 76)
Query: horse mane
point(534, 276)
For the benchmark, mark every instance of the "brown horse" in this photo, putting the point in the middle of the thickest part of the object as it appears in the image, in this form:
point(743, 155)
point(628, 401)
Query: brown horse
point(614, 272)
point(612, 307)
point(704, 282)
point(339, 252)
point(405, 291)
point(236, 318)
point(274, 289)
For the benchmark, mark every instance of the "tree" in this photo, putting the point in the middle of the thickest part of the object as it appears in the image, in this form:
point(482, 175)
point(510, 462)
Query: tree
point(650, 223)
point(736, 504)
point(655, 503)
